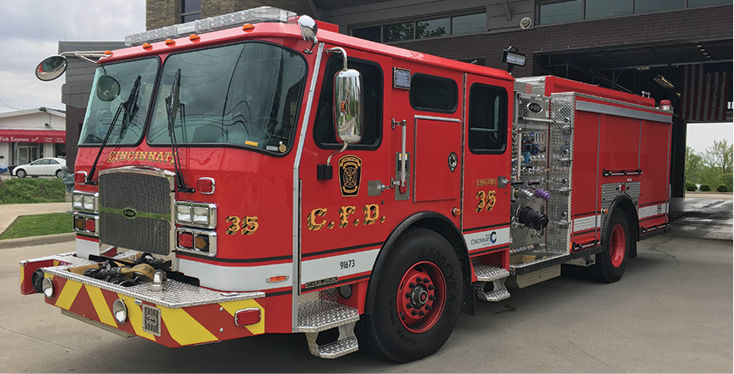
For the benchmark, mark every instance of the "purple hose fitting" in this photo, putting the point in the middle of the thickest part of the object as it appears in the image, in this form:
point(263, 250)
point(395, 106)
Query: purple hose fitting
point(543, 194)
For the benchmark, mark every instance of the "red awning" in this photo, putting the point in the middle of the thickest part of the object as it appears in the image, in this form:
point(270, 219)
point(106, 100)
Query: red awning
point(32, 136)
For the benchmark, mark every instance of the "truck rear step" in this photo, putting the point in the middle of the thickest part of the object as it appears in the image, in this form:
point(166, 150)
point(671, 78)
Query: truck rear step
point(496, 275)
point(324, 313)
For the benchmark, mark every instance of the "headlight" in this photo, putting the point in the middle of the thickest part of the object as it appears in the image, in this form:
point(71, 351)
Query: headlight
point(183, 214)
point(84, 201)
point(76, 201)
point(88, 202)
point(202, 215)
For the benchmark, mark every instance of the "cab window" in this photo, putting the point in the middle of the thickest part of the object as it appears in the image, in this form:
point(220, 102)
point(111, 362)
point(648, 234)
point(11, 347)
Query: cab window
point(433, 94)
point(487, 119)
point(323, 129)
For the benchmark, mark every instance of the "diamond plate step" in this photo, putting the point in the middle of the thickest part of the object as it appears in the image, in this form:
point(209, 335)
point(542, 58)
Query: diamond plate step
point(496, 275)
point(489, 273)
point(494, 295)
point(322, 315)
point(347, 343)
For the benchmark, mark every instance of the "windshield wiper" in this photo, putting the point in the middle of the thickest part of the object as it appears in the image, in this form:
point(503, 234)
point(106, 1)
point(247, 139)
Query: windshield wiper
point(172, 105)
point(130, 106)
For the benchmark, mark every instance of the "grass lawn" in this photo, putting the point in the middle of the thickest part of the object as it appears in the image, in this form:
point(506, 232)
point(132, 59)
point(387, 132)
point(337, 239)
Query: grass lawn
point(39, 224)
point(31, 190)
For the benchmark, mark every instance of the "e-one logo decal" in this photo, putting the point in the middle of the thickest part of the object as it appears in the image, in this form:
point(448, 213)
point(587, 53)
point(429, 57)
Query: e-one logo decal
point(129, 213)
point(487, 240)
point(350, 172)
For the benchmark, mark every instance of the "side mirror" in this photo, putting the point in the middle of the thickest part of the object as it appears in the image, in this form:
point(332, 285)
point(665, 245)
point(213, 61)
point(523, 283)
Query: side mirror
point(51, 68)
point(348, 106)
point(348, 112)
point(107, 88)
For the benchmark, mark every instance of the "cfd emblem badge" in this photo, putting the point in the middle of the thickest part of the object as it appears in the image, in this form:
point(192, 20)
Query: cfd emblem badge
point(350, 172)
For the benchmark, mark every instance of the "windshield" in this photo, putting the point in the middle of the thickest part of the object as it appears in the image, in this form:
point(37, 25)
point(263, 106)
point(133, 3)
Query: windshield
point(113, 85)
point(245, 94)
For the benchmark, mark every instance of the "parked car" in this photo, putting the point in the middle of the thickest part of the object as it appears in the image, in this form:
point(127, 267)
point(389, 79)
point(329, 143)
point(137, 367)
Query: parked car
point(42, 166)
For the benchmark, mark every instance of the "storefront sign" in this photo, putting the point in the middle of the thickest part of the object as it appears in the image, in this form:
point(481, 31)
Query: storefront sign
point(29, 136)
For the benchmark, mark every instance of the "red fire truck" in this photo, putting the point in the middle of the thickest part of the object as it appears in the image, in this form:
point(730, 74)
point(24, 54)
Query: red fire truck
point(260, 173)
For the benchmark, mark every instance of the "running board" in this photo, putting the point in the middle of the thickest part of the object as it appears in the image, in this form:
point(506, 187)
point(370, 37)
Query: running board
point(496, 275)
point(317, 316)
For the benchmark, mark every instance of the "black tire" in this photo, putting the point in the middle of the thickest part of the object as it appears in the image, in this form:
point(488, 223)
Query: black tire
point(20, 173)
point(616, 242)
point(59, 174)
point(437, 292)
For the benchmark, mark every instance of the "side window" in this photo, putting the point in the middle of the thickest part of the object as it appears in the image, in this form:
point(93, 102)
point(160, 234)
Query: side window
point(434, 94)
point(487, 119)
point(53, 162)
point(323, 129)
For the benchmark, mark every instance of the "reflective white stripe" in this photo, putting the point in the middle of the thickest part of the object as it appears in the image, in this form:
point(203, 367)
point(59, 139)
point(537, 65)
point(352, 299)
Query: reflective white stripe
point(339, 265)
point(489, 238)
point(235, 278)
point(653, 210)
point(586, 223)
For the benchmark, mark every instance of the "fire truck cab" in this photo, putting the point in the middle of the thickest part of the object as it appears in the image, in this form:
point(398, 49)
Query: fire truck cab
point(259, 173)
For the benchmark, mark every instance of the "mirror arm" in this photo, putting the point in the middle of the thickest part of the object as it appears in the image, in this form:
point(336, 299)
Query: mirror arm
point(86, 55)
point(340, 51)
point(344, 148)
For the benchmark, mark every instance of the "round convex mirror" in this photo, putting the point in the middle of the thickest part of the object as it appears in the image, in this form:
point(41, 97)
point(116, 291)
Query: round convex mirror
point(107, 88)
point(51, 68)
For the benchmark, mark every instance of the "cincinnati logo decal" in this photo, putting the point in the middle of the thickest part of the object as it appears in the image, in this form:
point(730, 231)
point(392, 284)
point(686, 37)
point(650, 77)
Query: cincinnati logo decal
point(350, 172)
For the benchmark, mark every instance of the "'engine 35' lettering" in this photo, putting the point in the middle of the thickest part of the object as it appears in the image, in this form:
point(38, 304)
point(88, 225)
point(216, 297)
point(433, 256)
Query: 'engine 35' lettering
point(315, 220)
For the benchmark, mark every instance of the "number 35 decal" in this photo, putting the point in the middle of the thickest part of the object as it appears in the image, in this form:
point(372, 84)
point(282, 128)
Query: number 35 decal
point(486, 200)
point(248, 225)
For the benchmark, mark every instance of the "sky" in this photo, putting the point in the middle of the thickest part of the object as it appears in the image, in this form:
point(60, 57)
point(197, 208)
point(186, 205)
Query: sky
point(31, 30)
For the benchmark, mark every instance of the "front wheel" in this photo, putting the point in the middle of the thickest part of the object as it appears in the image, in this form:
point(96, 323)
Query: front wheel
point(21, 173)
point(418, 299)
point(616, 243)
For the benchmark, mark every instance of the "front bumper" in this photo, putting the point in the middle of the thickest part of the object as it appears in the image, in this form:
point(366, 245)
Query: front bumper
point(179, 315)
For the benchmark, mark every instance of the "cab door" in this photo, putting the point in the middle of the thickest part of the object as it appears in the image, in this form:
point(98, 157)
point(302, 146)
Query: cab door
point(487, 149)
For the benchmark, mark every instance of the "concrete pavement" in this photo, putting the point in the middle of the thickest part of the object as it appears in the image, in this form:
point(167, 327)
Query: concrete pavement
point(671, 312)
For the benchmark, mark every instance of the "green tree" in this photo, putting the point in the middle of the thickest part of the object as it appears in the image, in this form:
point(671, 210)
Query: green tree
point(694, 165)
point(710, 176)
point(719, 156)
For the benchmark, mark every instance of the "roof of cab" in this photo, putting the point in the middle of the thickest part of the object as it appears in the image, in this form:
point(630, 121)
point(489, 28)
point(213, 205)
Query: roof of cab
point(291, 30)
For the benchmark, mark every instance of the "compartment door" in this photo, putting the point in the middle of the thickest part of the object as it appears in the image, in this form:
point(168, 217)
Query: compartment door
point(437, 159)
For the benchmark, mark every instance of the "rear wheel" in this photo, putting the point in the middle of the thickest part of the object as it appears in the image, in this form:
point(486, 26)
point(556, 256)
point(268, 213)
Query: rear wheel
point(21, 173)
point(59, 173)
point(616, 243)
point(419, 299)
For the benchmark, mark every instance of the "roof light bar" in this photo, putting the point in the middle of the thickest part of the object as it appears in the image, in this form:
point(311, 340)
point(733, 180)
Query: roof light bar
point(254, 15)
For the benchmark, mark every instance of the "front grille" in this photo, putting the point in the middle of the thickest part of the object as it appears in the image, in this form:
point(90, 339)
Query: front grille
point(135, 210)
